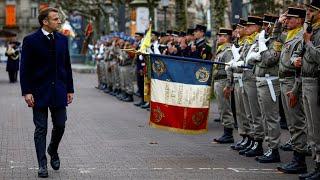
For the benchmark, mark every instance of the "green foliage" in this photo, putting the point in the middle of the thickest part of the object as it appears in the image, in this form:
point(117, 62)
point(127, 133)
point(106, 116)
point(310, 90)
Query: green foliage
point(261, 7)
point(181, 15)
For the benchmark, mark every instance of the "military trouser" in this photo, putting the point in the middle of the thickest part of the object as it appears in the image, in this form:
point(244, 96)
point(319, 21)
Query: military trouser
point(108, 73)
point(270, 111)
point(116, 76)
point(310, 89)
point(224, 105)
point(252, 109)
point(295, 116)
point(103, 72)
point(99, 73)
point(126, 78)
point(242, 121)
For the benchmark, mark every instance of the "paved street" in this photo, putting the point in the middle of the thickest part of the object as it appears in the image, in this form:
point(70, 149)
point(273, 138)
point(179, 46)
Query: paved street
point(109, 139)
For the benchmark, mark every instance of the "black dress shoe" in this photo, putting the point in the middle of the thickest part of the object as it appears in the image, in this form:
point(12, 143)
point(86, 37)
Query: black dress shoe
point(145, 106)
point(139, 103)
point(271, 156)
point(55, 160)
point(43, 172)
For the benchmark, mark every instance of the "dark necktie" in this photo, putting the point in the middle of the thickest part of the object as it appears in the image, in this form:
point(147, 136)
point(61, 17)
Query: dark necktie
point(50, 36)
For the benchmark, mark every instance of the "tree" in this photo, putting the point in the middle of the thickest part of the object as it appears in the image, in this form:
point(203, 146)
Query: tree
point(181, 15)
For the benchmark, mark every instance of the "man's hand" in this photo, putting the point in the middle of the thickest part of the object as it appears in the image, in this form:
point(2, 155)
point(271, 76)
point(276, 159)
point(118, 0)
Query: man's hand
point(307, 37)
point(226, 92)
point(293, 99)
point(283, 17)
point(298, 62)
point(29, 100)
point(70, 98)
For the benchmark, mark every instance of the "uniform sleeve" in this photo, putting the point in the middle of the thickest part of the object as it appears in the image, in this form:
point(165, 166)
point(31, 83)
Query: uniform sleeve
point(270, 57)
point(25, 67)
point(313, 52)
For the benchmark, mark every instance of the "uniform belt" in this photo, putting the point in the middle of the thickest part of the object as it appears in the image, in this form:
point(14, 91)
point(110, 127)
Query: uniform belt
point(269, 80)
point(220, 76)
point(286, 74)
point(238, 77)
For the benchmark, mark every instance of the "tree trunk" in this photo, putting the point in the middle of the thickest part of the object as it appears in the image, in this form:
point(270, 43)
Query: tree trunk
point(181, 15)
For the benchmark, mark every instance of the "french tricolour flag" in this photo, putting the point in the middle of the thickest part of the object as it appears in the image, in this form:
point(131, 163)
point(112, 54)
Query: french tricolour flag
point(180, 93)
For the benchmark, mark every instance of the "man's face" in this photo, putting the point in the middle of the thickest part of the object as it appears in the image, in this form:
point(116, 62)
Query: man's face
point(312, 12)
point(249, 29)
point(52, 22)
point(198, 34)
point(222, 39)
point(268, 27)
point(293, 22)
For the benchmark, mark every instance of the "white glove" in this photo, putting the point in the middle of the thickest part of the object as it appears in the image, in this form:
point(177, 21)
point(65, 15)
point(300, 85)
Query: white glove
point(140, 57)
point(262, 41)
point(235, 52)
point(253, 56)
point(228, 65)
point(156, 48)
point(238, 64)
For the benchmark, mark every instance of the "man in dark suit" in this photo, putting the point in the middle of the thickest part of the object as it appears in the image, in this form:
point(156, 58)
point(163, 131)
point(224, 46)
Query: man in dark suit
point(46, 83)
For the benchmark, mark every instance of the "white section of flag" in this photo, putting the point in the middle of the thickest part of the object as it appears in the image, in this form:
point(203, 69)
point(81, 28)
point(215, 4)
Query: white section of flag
point(178, 94)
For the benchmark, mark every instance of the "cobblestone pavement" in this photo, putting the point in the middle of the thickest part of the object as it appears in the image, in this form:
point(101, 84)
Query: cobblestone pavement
point(109, 139)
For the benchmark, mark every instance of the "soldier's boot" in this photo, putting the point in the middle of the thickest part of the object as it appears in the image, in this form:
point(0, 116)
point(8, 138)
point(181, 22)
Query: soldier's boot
point(226, 138)
point(271, 156)
point(256, 150)
point(122, 95)
point(240, 143)
point(313, 174)
point(248, 148)
point(104, 86)
point(129, 98)
point(145, 106)
point(287, 146)
point(309, 151)
point(138, 104)
point(114, 92)
point(107, 90)
point(296, 166)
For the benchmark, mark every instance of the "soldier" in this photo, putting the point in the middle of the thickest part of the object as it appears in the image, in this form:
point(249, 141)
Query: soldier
point(291, 95)
point(203, 50)
point(235, 82)
point(224, 55)
point(266, 60)
point(307, 56)
point(251, 105)
point(126, 72)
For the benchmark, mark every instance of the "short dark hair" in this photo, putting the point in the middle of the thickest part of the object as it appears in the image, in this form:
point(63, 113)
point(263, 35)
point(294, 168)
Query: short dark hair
point(43, 14)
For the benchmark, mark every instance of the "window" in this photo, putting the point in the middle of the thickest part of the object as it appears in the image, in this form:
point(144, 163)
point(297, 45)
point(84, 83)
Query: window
point(34, 12)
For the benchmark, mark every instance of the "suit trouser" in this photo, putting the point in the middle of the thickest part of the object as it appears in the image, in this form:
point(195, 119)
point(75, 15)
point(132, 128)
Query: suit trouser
point(140, 84)
point(295, 116)
point(13, 76)
point(224, 105)
point(270, 112)
point(252, 109)
point(40, 119)
point(310, 90)
point(243, 123)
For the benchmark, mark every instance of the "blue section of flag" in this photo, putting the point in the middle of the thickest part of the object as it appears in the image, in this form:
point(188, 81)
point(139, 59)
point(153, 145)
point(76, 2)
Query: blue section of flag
point(181, 70)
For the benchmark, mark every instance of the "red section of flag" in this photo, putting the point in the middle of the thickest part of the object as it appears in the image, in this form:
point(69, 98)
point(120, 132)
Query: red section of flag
point(179, 119)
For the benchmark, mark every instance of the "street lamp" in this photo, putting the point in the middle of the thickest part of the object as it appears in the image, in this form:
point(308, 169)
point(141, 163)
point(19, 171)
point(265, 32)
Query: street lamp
point(165, 5)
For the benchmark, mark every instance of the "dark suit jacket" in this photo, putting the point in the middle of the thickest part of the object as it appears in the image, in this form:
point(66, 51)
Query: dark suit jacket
point(47, 79)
